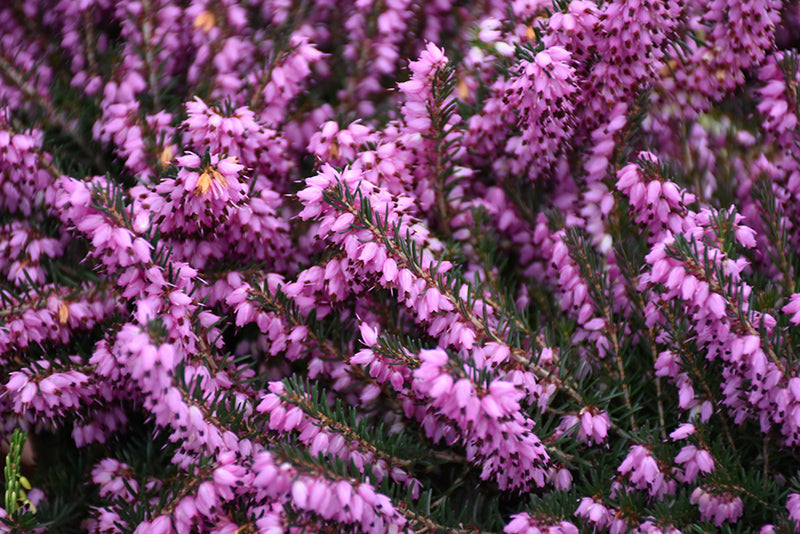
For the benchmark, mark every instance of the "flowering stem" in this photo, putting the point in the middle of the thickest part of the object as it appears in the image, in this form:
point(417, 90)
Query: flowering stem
point(597, 282)
point(686, 359)
point(638, 299)
point(733, 310)
point(482, 329)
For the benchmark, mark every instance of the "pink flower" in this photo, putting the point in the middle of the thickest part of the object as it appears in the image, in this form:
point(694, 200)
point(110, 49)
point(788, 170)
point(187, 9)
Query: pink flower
point(526, 524)
point(594, 425)
point(695, 461)
point(793, 308)
point(793, 506)
point(644, 472)
point(595, 512)
point(682, 432)
point(719, 507)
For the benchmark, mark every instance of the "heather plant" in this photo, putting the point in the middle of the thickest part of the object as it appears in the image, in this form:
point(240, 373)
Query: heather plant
point(331, 266)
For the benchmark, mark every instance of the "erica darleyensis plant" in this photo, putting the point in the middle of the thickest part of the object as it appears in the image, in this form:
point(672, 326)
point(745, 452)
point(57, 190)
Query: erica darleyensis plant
point(390, 266)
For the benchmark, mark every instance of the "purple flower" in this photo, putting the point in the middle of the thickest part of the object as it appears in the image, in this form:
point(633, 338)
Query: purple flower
point(719, 507)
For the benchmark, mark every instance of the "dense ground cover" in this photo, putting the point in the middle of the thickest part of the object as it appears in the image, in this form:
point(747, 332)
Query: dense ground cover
point(386, 266)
